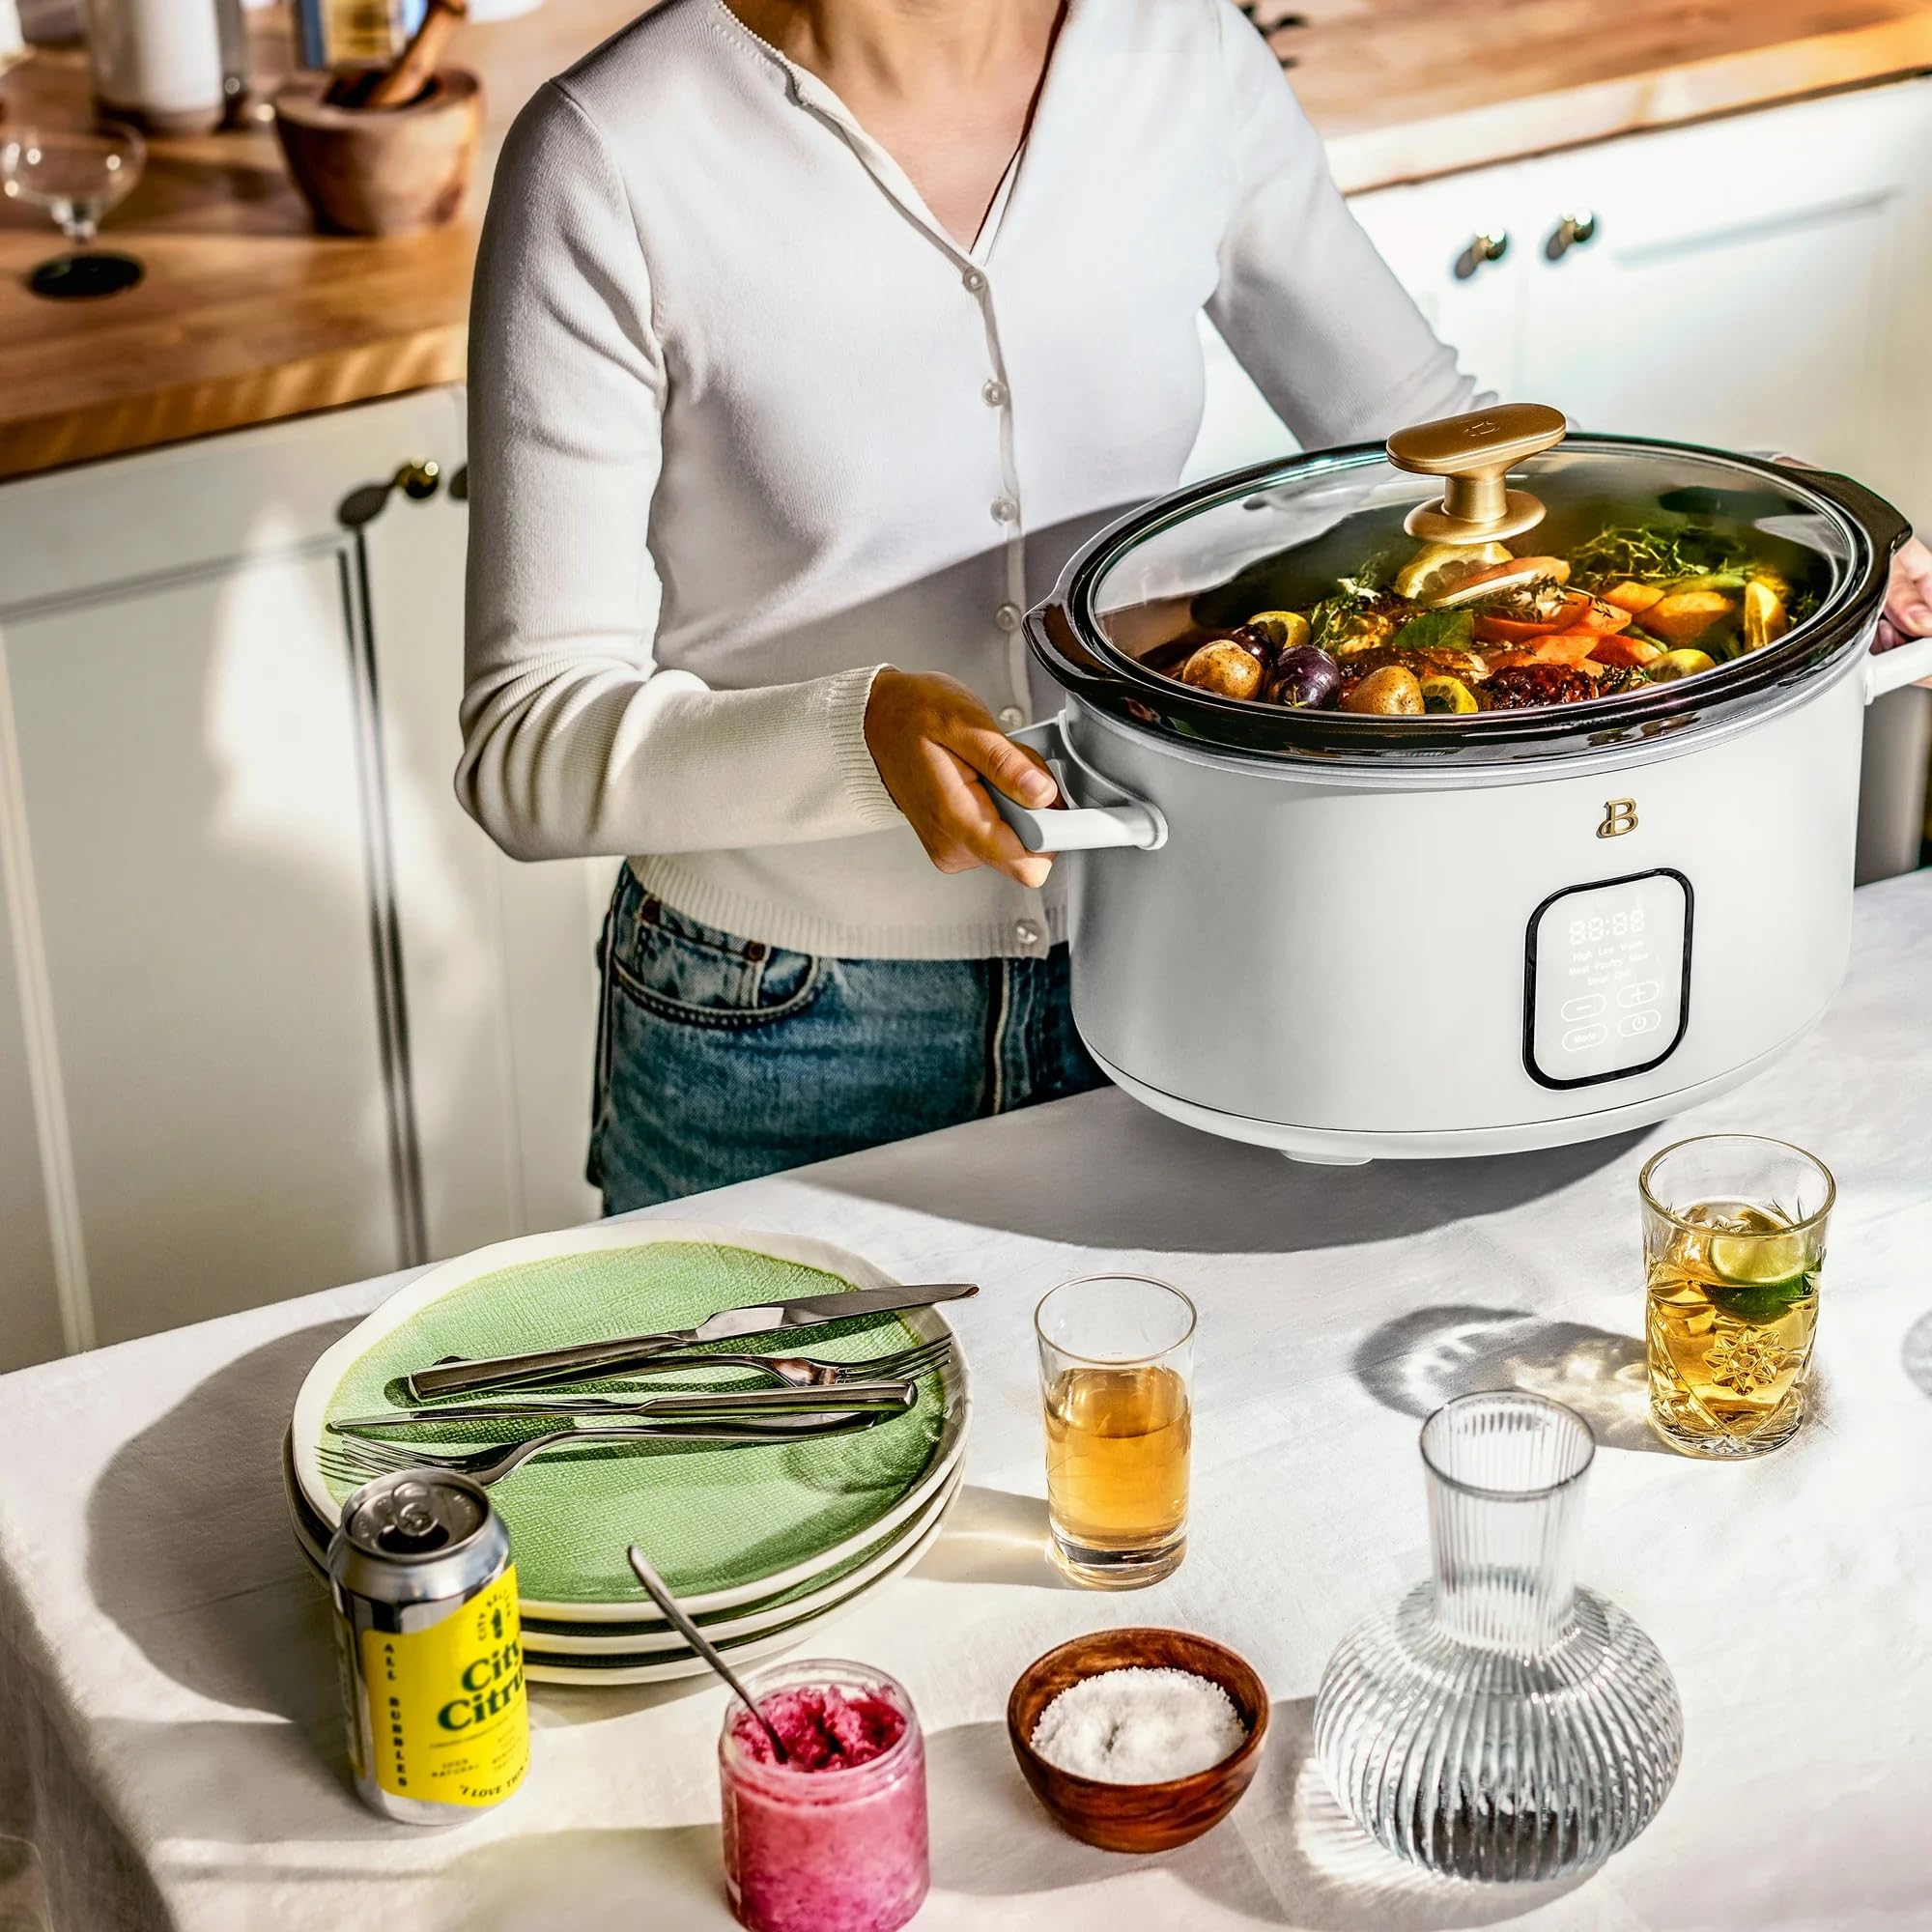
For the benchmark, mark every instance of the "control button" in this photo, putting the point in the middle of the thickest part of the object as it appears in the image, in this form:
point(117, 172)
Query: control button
point(1640, 994)
point(994, 394)
point(1004, 509)
point(1011, 716)
point(1008, 618)
point(1586, 1008)
point(1578, 1038)
point(1632, 1024)
point(974, 281)
point(1026, 933)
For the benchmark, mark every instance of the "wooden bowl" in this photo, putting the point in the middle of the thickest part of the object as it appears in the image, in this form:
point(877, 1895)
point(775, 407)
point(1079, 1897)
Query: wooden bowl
point(383, 171)
point(1137, 1817)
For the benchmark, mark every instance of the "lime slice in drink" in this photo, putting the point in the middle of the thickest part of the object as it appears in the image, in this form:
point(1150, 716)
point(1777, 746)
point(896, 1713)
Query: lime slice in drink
point(1759, 1261)
point(1766, 1266)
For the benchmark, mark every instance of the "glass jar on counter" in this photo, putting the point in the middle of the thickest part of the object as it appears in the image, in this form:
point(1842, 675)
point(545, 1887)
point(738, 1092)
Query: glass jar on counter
point(834, 1839)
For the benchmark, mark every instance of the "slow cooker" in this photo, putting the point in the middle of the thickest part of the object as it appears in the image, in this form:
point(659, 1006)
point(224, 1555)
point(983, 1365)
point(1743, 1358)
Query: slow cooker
point(1353, 937)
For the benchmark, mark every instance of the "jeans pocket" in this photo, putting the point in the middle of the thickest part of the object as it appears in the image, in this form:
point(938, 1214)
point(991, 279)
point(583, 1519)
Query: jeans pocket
point(698, 975)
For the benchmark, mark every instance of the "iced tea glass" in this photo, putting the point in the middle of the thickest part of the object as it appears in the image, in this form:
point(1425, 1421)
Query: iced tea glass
point(1733, 1247)
point(1116, 1374)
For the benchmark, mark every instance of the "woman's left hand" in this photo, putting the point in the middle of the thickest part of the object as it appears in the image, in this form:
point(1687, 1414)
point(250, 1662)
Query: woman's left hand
point(1908, 599)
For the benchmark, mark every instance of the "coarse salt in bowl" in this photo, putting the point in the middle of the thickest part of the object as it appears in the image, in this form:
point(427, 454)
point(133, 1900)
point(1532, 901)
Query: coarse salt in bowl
point(1157, 1678)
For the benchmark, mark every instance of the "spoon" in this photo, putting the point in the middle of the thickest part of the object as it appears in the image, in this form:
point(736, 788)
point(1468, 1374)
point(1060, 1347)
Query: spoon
point(659, 1592)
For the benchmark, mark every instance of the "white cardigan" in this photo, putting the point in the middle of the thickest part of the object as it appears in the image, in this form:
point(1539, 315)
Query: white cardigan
point(746, 423)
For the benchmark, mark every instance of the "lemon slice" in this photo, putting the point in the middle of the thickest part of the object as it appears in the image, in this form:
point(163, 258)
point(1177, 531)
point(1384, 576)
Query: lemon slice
point(1673, 665)
point(1283, 628)
point(1765, 616)
point(1438, 567)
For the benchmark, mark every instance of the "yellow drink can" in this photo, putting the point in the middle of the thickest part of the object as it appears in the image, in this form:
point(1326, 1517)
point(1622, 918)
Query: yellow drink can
point(430, 1648)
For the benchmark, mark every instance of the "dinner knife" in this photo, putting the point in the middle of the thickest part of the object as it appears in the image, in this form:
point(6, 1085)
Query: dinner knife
point(582, 1361)
point(686, 1405)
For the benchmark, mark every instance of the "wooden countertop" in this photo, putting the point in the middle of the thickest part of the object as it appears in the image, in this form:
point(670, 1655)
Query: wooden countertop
point(246, 315)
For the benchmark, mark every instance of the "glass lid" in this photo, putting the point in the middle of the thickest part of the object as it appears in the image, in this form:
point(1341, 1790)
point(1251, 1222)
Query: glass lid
point(1485, 585)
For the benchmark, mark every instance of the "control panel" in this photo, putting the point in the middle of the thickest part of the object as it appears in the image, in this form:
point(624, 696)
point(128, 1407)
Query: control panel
point(1608, 983)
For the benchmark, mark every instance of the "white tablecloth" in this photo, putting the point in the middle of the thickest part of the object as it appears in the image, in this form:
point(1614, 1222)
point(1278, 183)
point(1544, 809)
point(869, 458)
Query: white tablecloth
point(168, 1729)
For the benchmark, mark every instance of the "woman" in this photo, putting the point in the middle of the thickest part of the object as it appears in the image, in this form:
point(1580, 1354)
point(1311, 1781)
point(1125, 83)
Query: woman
point(810, 336)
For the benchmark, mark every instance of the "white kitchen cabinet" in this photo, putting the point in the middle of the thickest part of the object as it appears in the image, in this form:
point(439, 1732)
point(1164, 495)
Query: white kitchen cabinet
point(266, 1016)
point(1762, 281)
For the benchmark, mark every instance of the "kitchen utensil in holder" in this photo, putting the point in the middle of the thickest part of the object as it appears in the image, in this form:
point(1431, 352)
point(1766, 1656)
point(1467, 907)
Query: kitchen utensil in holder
point(1502, 1723)
point(1474, 453)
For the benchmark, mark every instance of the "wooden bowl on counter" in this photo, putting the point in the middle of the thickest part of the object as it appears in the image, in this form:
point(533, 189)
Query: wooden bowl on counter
point(381, 171)
point(1138, 1817)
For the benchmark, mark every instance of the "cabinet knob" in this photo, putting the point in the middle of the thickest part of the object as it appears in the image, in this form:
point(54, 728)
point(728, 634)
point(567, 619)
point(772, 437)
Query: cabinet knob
point(1490, 248)
point(416, 480)
point(1572, 232)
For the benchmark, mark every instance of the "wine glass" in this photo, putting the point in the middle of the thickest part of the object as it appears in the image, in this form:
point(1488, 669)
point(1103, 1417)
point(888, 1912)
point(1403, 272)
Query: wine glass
point(78, 173)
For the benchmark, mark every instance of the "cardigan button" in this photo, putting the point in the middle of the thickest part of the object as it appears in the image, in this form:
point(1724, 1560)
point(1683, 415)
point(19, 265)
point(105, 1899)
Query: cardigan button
point(994, 394)
point(1008, 618)
point(1011, 716)
point(975, 282)
point(1004, 510)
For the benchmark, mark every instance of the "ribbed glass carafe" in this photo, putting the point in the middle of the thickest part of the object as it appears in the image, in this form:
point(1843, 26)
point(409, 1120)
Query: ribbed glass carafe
point(1502, 1723)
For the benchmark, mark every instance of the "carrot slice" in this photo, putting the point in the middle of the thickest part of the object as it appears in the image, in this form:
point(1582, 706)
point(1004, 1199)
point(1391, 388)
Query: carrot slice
point(1514, 631)
point(1600, 614)
point(1686, 616)
point(1633, 597)
point(1572, 647)
point(1626, 650)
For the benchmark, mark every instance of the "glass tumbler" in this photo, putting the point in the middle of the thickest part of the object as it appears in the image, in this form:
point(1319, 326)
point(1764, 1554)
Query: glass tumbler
point(1733, 1247)
point(839, 1848)
point(1115, 1373)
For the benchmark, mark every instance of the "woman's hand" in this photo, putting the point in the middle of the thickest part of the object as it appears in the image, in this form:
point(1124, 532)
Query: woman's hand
point(1908, 599)
point(934, 743)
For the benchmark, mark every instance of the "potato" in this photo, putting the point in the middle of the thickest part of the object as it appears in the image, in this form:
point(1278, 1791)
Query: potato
point(1389, 692)
point(1683, 617)
point(1223, 667)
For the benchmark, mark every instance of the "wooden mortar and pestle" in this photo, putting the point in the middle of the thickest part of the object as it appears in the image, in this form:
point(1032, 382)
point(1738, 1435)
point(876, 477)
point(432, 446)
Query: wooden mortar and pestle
point(382, 151)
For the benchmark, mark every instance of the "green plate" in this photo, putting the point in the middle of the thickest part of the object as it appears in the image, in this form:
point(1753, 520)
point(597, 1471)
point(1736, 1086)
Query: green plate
point(725, 1526)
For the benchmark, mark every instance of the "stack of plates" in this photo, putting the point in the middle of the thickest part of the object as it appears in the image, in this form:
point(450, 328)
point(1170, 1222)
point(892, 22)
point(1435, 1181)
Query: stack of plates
point(761, 1543)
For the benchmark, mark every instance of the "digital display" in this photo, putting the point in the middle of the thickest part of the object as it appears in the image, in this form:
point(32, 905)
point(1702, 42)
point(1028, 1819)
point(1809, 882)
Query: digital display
point(1607, 982)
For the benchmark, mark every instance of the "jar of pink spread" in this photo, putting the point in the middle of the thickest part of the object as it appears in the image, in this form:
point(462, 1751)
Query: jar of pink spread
point(835, 1838)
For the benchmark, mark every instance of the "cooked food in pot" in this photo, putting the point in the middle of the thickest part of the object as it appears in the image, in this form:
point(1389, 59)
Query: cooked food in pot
point(1442, 629)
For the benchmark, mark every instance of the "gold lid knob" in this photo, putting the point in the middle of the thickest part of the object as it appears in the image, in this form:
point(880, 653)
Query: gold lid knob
point(1474, 454)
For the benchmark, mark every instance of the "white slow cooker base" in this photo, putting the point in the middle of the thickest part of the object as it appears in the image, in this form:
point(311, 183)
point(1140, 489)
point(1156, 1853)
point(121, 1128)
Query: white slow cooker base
point(1327, 1148)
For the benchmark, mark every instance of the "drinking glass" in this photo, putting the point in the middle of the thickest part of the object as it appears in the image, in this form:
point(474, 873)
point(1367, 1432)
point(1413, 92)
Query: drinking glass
point(1733, 1247)
point(1116, 1366)
point(77, 175)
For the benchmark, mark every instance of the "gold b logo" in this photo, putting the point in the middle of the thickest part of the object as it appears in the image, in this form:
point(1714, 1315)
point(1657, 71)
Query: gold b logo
point(1619, 817)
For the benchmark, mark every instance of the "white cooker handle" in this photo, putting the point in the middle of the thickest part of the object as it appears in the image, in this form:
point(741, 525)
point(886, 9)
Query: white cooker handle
point(1121, 819)
point(1893, 669)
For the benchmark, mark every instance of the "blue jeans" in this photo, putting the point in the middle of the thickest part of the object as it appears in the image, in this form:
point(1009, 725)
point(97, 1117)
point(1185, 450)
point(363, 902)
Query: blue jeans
point(719, 1059)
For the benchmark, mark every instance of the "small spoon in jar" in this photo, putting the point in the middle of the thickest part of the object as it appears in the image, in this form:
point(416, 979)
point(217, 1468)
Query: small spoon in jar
point(659, 1592)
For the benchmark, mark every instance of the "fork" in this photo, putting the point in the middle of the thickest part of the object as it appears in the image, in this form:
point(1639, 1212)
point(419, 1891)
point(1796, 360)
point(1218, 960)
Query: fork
point(359, 1458)
point(815, 1370)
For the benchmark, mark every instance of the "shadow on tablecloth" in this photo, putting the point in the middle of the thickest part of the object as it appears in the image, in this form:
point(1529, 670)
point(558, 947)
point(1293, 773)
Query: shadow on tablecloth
point(1915, 1355)
point(1289, 1854)
point(993, 1536)
point(190, 1551)
point(1418, 1361)
point(1165, 1188)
